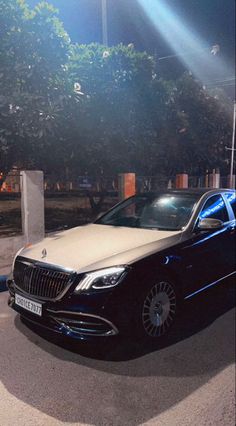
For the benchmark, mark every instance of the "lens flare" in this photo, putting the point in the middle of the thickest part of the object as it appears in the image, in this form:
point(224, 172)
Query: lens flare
point(202, 60)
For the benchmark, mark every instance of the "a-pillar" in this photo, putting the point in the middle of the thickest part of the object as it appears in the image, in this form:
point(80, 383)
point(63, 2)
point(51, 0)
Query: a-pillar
point(32, 205)
point(181, 181)
point(126, 185)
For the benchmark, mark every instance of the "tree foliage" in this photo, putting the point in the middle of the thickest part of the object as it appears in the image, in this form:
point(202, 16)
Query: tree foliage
point(71, 109)
point(36, 92)
point(126, 108)
point(137, 121)
point(201, 128)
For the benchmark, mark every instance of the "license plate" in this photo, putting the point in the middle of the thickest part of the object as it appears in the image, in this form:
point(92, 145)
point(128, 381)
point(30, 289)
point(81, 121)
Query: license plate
point(28, 305)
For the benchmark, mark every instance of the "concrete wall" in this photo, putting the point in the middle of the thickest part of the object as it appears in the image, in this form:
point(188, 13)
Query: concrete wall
point(32, 211)
point(32, 205)
point(8, 248)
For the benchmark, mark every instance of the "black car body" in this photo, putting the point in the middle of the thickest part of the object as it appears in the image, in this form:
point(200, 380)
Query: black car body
point(128, 271)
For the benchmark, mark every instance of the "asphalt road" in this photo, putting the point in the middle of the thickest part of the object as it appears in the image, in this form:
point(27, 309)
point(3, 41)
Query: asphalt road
point(187, 379)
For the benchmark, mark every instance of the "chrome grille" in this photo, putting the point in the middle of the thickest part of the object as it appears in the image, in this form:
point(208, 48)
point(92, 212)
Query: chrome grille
point(40, 281)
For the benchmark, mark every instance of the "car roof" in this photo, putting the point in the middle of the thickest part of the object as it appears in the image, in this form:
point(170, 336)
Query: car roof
point(188, 191)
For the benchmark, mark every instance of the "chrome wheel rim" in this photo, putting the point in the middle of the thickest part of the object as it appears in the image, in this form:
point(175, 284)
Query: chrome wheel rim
point(159, 309)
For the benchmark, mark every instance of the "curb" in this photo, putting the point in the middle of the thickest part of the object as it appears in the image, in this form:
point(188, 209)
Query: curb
point(3, 285)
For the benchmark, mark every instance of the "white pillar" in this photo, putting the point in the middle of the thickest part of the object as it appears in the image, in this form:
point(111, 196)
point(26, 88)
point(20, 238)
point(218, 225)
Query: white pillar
point(214, 181)
point(32, 205)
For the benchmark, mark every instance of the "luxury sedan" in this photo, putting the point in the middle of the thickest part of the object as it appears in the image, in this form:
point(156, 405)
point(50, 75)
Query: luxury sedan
point(130, 270)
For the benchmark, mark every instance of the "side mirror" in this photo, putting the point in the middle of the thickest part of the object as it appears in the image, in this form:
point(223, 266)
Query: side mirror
point(209, 224)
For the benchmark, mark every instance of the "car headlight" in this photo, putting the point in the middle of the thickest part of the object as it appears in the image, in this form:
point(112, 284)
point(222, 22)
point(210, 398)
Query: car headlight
point(104, 278)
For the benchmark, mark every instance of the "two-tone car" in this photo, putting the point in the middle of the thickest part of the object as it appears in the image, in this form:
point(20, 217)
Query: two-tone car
point(130, 270)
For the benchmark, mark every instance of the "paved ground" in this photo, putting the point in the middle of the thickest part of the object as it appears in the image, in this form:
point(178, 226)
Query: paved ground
point(188, 379)
point(4, 272)
point(3, 279)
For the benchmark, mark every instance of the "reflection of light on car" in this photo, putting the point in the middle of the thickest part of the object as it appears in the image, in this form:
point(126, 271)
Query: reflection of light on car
point(214, 208)
point(163, 201)
point(208, 237)
point(231, 198)
point(171, 258)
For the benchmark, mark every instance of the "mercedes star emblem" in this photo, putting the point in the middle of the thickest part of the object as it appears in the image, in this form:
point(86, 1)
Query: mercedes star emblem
point(44, 253)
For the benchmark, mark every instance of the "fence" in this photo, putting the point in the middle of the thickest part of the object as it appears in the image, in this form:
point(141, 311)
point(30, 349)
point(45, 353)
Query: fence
point(83, 184)
point(155, 183)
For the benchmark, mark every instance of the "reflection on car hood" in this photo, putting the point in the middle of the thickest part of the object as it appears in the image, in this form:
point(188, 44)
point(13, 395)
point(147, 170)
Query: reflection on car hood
point(94, 246)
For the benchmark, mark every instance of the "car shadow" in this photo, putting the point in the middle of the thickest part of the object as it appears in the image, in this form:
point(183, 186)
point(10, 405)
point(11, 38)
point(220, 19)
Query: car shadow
point(122, 382)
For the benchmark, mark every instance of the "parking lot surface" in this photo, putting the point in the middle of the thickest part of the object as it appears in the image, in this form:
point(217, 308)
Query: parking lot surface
point(186, 379)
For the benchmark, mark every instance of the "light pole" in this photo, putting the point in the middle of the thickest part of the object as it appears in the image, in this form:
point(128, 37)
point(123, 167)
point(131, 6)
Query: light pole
point(104, 23)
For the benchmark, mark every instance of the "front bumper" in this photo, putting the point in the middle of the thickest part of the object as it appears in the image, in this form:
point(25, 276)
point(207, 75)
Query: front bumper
point(79, 317)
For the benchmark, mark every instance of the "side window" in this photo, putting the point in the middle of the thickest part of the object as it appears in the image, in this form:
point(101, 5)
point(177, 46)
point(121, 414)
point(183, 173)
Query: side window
point(215, 208)
point(231, 197)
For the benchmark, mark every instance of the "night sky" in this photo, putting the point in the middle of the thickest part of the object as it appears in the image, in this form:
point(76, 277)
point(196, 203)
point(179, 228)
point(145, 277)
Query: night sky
point(214, 20)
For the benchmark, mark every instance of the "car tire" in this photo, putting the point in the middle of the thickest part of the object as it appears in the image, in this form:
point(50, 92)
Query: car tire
point(158, 308)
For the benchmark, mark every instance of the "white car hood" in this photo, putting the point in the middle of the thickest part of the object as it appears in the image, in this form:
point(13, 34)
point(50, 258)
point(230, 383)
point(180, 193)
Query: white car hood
point(94, 246)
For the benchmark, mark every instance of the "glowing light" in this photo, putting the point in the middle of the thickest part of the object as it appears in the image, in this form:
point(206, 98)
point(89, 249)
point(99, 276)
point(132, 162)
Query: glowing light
point(231, 197)
point(113, 273)
point(215, 49)
point(163, 201)
point(189, 46)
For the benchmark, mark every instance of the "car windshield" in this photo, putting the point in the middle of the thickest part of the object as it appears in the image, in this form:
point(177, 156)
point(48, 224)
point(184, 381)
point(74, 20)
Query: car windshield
point(161, 212)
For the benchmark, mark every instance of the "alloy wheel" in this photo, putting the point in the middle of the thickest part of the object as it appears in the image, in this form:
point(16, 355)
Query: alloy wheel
point(159, 309)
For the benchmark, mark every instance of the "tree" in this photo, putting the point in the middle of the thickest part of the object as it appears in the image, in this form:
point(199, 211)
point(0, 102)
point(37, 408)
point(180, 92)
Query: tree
point(121, 90)
point(37, 94)
point(128, 118)
point(207, 130)
point(133, 120)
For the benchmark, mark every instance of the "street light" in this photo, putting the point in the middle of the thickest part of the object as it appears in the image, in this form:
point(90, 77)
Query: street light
point(232, 149)
point(104, 23)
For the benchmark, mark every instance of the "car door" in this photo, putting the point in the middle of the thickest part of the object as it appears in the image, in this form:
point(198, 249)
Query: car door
point(206, 254)
point(230, 197)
